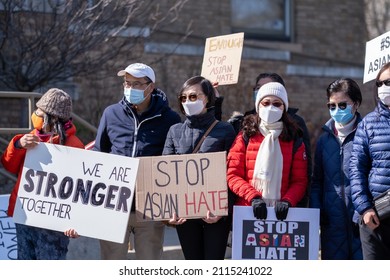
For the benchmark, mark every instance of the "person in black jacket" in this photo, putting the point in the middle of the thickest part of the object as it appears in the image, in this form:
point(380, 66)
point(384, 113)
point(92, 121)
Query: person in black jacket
point(136, 126)
point(236, 121)
point(206, 238)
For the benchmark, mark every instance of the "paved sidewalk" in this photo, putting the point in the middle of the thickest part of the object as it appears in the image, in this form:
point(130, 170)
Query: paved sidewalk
point(85, 248)
point(172, 248)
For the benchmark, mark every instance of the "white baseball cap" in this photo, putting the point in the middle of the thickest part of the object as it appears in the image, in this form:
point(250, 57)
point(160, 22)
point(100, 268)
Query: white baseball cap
point(139, 70)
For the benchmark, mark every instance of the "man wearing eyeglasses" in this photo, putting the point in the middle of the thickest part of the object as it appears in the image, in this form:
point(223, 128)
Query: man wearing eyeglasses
point(136, 126)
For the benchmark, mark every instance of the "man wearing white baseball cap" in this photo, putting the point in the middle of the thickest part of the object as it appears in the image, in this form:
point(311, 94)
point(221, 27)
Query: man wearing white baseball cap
point(136, 126)
point(139, 70)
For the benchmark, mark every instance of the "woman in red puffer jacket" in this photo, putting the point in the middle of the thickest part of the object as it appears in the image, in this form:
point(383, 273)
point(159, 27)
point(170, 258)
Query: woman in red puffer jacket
point(264, 169)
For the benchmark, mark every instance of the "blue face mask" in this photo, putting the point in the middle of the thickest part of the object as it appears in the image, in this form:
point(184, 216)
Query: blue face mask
point(134, 96)
point(342, 116)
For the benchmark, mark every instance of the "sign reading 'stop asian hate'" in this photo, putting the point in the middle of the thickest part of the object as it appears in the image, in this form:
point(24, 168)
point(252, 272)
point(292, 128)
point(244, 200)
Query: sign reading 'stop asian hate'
point(188, 185)
point(63, 187)
point(296, 238)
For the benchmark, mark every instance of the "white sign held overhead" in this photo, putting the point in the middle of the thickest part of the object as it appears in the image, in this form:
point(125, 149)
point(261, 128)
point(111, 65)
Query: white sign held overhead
point(377, 55)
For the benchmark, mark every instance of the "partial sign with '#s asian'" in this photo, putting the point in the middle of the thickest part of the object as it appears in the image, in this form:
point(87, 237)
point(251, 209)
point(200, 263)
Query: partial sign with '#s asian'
point(188, 185)
point(377, 55)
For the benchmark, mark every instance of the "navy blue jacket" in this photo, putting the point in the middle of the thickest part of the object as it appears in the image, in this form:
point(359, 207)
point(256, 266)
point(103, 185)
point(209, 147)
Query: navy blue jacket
point(331, 193)
point(370, 161)
point(123, 132)
point(183, 137)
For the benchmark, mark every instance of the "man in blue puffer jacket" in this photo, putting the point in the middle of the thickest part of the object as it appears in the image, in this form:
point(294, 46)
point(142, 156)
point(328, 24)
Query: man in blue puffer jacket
point(370, 171)
point(136, 126)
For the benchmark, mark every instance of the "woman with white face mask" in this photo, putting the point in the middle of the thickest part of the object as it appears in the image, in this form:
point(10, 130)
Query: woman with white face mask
point(370, 172)
point(264, 169)
point(206, 238)
point(330, 187)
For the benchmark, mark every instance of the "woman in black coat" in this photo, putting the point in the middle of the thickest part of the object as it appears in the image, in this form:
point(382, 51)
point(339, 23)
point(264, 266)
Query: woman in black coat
point(204, 238)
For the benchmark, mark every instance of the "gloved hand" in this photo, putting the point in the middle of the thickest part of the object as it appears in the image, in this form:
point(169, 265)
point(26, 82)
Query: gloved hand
point(281, 209)
point(259, 208)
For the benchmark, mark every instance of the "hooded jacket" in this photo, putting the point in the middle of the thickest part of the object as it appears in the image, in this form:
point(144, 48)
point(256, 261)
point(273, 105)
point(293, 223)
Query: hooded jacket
point(123, 132)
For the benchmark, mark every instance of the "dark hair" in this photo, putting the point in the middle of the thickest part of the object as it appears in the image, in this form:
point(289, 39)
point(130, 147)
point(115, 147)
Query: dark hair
point(55, 125)
point(273, 76)
point(348, 87)
point(291, 130)
point(207, 89)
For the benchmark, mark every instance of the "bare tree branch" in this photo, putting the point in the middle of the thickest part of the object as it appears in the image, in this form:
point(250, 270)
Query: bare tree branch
point(48, 41)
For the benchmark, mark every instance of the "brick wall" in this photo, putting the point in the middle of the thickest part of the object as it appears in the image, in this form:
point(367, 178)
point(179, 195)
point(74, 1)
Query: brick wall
point(329, 35)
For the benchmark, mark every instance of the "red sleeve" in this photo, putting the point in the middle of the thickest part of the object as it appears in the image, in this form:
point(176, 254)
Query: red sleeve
point(75, 142)
point(13, 158)
point(237, 171)
point(298, 180)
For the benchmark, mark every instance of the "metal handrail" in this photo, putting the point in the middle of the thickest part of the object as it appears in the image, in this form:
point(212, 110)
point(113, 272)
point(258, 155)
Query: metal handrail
point(31, 106)
point(31, 96)
point(8, 175)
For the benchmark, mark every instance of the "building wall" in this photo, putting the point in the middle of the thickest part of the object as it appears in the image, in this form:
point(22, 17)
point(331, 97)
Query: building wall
point(328, 43)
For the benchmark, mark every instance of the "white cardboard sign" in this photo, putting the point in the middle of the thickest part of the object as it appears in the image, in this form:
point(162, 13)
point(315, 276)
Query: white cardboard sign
point(222, 58)
point(377, 55)
point(296, 238)
point(63, 187)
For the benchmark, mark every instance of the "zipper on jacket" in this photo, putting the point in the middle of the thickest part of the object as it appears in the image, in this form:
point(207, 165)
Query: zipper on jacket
point(137, 126)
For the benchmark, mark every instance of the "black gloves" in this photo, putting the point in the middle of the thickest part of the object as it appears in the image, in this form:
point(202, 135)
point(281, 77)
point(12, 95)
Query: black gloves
point(259, 208)
point(281, 209)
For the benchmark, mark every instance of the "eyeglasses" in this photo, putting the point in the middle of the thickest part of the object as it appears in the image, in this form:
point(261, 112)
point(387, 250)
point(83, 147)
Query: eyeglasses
point(266, 103)
point(341, 105)
point(380, 83)
point(135, 84)
point(192, 97)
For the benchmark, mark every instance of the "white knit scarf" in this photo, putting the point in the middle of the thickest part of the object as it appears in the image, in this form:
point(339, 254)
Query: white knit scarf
point(267, 175)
